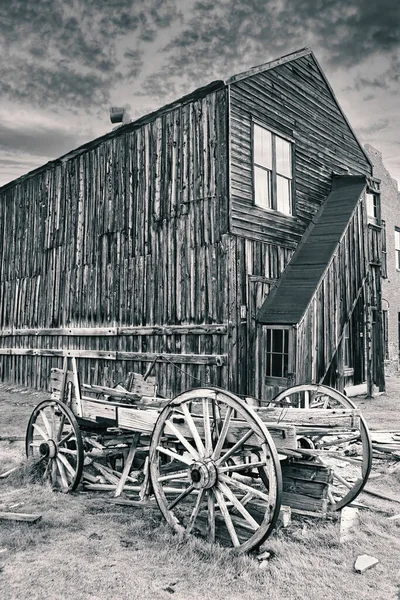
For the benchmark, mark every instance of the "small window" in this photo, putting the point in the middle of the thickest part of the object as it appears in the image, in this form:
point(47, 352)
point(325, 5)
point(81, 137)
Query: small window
point(277, 352)
point(397, 246)
point(372, 207)
point(273, 172)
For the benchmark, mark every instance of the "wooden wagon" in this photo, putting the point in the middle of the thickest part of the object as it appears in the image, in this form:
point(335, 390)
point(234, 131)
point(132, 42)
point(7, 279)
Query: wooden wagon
point(219, 466)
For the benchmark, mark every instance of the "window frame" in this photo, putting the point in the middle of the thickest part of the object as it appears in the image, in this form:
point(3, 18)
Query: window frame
point(374, 219)
point(397, 250)
point(271, 379)
point(274, 173)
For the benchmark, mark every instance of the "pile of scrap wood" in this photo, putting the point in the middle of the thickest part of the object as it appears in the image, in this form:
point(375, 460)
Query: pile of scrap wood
point(386, 444)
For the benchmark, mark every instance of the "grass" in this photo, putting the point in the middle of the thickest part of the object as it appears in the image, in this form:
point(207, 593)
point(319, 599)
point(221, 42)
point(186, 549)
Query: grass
point(86, 547)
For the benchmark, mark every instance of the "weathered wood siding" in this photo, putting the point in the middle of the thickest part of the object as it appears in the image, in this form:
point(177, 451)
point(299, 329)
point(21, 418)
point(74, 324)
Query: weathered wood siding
point(253, 267)
point(292, 99)
point(320, 332)
point(130, 232)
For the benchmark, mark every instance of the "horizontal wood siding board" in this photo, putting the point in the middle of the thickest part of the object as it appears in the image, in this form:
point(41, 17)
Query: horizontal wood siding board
point(292, 98)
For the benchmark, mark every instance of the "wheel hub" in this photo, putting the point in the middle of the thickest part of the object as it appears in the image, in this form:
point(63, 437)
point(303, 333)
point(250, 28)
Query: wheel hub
point(48, 449)
point(203, 475)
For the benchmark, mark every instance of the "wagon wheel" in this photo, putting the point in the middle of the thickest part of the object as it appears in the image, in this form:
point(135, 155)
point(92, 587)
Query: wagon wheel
point(53, 438)
point(348, 453)
point(215, 470)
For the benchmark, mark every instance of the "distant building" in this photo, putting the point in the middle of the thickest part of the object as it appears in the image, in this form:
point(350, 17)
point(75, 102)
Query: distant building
point(390, 201)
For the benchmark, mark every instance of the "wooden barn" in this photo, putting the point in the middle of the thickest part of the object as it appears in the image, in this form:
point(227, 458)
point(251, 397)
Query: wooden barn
point(233, 237)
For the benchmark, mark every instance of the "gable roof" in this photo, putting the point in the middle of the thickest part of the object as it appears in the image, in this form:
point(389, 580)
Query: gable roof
point(197, 93)
point(288, 301)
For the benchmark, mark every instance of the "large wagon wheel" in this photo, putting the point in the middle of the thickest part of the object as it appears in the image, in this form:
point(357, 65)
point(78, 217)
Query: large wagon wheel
point(214, 469)
point(53, 438)
point(348, 453)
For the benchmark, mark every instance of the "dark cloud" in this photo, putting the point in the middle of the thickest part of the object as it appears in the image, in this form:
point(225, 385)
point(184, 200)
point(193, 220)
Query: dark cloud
point(40, 141)
point(220, 36)
point(66, 51)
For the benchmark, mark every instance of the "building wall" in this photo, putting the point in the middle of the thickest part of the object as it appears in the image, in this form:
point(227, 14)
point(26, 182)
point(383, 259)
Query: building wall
point(390, 208)
point(295, 100)
point(292, 99)
point(119, 252)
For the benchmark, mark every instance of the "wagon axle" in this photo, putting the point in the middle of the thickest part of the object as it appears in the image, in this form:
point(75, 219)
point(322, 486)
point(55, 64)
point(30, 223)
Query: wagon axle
point(203, 475)
point(48, 449)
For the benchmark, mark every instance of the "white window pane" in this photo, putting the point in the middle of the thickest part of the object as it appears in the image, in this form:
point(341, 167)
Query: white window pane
point(372, 209)
point(262, 187)
point(283, 195)
point(283, 157)
point(397, 239)
point(262, 147)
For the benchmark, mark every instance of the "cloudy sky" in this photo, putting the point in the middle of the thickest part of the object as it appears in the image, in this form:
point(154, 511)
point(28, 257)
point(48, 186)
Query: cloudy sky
point(65, 62)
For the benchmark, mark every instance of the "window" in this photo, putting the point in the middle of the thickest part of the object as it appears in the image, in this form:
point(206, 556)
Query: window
point(277, 352)
point(272, 171)
point(372, 207)
point(397, 246)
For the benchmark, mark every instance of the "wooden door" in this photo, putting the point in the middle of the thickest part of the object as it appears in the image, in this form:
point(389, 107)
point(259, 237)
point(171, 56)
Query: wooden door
point(258, 289)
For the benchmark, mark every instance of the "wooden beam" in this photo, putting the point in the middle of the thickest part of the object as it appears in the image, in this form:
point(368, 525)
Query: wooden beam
point(27, 518)
point(197, 359)
point(208, 329)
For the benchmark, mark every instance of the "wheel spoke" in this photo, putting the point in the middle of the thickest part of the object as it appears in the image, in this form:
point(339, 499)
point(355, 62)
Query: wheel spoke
point(181, 496)
point(172, 476)
point(66, 438)
point(238, 445)
point(211, 515)
point(67, 464)
point(60, 428)
point(207, 428)
point(63, 475)
point(241, 467)
point(193, 430)
point(195, 511)
point(182, 439)
point(46, 424)
point(67, 451)
point(238, 505)
point(227, 518)
point(53, 471)
point(223, 434)
point(179, 457)
point(46, 471)
point(243, 486)
point(40, 431)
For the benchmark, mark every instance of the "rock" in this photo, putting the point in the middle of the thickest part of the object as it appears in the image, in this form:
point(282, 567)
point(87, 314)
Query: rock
point(285, 516)
point(264, 556)
point(348, 520)
point(364, 562)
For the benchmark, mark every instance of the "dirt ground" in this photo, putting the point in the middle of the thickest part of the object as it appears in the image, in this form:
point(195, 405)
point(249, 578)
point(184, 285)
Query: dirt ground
point(88, 548)
point(383, 411)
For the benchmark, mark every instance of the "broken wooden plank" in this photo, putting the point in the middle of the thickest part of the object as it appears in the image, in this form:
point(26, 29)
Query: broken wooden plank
point(379, 494)
point(128, 464)
point(7, 473)
point(25, 517)
point(338, 417)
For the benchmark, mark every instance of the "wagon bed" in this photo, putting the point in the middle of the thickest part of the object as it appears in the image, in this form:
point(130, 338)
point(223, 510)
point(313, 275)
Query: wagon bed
point(216, 466)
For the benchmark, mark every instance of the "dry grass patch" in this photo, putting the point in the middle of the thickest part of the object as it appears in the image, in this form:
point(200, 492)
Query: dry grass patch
point(88, 548)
